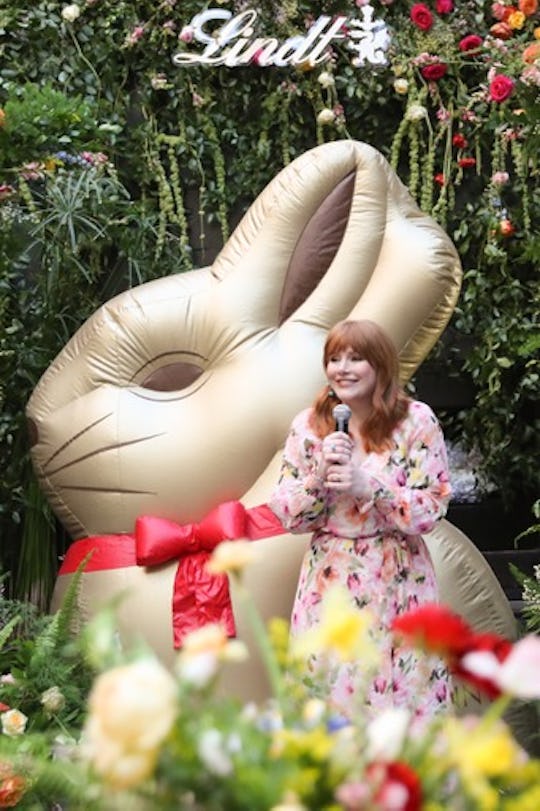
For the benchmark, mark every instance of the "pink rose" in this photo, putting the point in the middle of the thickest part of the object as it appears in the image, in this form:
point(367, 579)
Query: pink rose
point(421, 16)
point(501, 88)
point(434, 72)
point(470, 43)
point(498, 10)
point(444, 6)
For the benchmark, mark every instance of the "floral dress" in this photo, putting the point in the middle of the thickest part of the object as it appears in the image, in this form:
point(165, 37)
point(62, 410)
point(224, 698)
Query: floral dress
point(374, 548)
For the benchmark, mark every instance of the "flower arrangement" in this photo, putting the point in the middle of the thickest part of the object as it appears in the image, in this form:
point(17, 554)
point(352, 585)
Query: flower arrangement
point(156, 739)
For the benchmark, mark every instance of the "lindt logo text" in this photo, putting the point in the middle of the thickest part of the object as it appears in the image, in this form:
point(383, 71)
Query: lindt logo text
point(231, 41)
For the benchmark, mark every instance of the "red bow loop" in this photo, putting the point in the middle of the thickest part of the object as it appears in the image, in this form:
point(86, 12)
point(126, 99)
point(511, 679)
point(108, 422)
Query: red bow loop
point(158, 540)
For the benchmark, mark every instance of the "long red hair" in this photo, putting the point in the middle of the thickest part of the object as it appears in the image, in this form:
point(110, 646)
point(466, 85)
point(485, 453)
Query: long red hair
point(389, 401)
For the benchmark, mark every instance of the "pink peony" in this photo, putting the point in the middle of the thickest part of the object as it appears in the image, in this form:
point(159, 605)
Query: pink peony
point(498, 10)
point(421, 16)
point(501, 88)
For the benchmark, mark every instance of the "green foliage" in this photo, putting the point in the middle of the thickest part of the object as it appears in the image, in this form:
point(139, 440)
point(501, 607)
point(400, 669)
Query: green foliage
point(41, 120)
point(40, 652)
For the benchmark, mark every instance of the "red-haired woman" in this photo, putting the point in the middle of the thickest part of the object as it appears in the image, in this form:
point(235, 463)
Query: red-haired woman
point(368, 496)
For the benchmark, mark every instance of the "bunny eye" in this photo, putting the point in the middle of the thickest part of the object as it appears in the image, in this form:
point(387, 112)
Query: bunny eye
point(172, 371)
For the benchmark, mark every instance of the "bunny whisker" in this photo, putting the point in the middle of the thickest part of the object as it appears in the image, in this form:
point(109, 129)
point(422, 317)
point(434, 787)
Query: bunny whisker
point(104, 449)
point(106, 490)
point(75, 437)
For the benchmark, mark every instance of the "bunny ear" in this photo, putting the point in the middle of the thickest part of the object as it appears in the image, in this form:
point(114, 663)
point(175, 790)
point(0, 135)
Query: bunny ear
point(308, 233)
point(337, 229)
point(416, 281)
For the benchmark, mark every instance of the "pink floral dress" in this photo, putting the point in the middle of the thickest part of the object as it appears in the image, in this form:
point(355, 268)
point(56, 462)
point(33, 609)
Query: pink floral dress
point(375, 549)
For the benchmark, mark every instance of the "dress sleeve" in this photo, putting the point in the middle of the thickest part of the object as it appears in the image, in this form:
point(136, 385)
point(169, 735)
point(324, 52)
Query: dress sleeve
point(298, 499)
point(414, 491)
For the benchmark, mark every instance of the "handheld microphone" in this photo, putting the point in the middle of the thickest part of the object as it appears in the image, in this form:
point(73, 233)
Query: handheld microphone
point(342, 414)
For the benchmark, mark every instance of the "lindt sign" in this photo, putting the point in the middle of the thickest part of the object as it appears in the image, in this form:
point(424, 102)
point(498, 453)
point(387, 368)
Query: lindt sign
point(231, 41)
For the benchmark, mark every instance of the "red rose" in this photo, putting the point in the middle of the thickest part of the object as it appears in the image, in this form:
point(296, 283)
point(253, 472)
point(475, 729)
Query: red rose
point(470, 43)
point(444, 6)
point(501, 87)
point(434, 72)
point(439, 178)
point(459, 141)
point(421, 16)
point(467, 163)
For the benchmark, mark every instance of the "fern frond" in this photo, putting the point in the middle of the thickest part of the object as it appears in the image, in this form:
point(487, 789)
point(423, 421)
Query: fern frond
point(59, 628)
point(7, 630)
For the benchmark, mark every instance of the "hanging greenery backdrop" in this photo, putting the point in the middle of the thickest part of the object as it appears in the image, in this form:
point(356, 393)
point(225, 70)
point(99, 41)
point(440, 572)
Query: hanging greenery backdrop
point(116, 166)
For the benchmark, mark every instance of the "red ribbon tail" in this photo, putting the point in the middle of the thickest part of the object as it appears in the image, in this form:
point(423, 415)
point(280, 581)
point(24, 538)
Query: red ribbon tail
point(199, 598)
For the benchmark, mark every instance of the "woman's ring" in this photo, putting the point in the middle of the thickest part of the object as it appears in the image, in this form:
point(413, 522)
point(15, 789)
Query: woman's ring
point(333, 448)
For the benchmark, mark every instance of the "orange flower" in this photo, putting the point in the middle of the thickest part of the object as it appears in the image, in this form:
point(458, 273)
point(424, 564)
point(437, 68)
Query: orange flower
point(12, 787)
point(528, 7)
point(501, 30)
point(531, 53)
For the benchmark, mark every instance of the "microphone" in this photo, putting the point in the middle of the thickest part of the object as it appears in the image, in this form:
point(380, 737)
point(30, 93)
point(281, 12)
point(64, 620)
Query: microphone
point(342, 414)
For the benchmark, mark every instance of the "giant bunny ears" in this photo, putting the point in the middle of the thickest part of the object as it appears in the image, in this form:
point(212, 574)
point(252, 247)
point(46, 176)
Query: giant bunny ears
point(177, 394)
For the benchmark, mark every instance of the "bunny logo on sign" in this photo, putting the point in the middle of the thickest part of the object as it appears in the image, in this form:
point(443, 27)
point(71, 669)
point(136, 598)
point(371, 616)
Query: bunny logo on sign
point(172, 402)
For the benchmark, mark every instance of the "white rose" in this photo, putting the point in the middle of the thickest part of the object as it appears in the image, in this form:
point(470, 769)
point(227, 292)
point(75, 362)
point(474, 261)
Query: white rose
point(326, 79)
point(416, 112)
point(71, 12)
point(13, 723)
point(386, 734)
point(213, 753)
point(401, 86)
point(326, 116)
point(53, 700)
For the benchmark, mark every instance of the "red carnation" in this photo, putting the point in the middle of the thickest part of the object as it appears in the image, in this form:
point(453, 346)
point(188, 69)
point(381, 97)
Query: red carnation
point(444, 6)
point(433, 628)
point(472, 42)
point(467, 163)
point(501, 87)
point(434, 72)
point(439, 178)
point(390, 776)
point(459, 141)
point(421, 16)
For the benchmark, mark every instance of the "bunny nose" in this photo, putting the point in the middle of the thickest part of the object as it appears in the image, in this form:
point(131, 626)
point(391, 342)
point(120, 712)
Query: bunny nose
point(32, 431)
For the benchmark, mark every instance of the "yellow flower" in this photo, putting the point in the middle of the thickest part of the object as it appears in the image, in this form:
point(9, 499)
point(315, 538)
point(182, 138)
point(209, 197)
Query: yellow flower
point(343, 630)
point(516, 20)
point(230, 557)
point(131, 711)
point(536, 32)
point(482, 750)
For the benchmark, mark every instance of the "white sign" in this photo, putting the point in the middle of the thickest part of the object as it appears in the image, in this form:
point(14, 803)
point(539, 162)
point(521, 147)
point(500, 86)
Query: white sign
point(233, 42)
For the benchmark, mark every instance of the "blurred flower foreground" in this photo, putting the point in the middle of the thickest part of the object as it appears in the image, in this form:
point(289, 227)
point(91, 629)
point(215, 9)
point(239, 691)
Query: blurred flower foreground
point(145, 737)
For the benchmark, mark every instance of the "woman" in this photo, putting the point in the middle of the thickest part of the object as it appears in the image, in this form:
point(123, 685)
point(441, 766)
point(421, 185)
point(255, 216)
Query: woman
point(368, 496)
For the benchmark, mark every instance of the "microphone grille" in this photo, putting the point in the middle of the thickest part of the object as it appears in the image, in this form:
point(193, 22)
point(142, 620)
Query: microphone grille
point(341, 412)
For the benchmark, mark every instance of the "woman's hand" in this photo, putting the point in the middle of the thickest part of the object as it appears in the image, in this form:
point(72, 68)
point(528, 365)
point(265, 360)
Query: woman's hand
point(337, 468)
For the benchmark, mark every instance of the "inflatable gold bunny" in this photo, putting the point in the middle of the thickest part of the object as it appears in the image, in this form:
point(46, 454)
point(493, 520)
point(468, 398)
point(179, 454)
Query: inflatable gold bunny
point(173, 400)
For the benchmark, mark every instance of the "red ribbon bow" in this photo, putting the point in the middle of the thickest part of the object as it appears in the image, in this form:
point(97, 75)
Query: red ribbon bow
point(198, 597)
